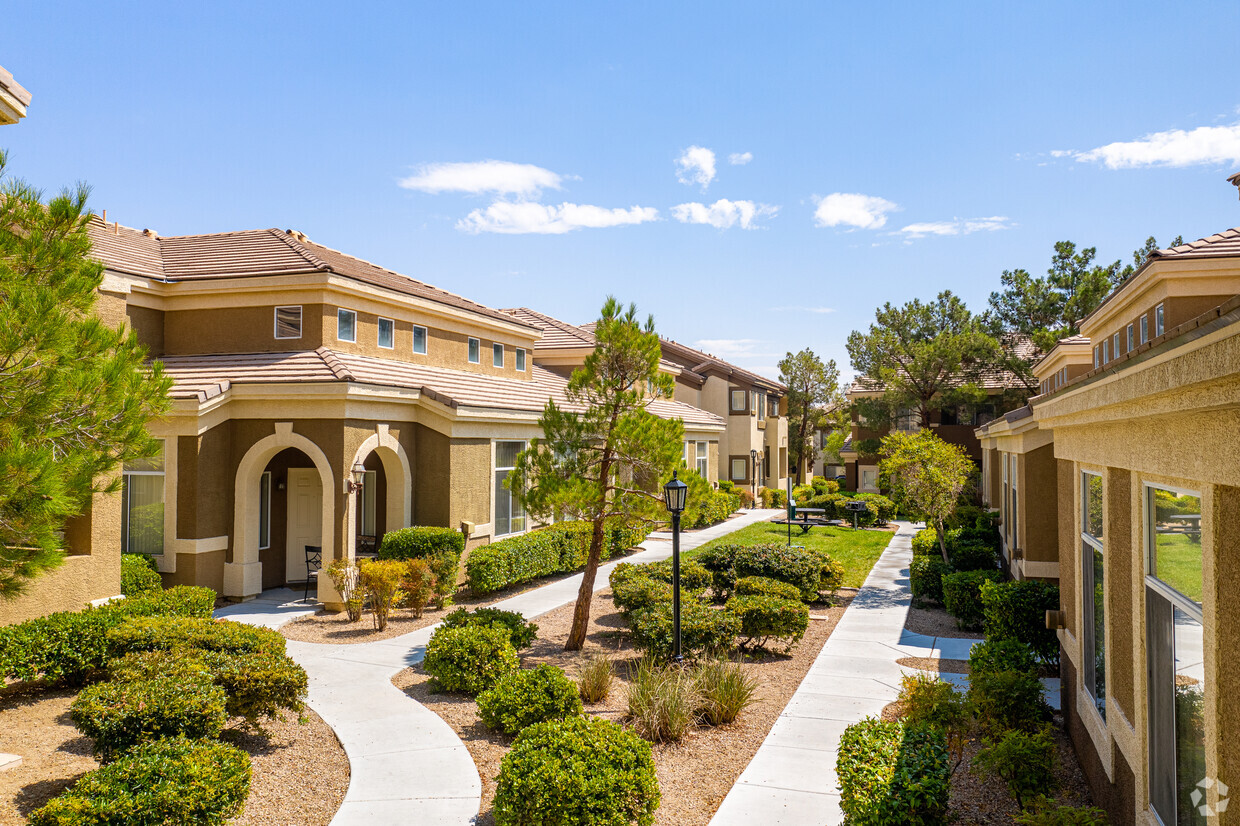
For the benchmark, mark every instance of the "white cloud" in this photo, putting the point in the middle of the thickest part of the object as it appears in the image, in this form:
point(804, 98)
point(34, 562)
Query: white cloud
point(476, 177)
point(817, 310)
point(1060, 153)
point(740, 158)
point(956, 226)
point(853, 210)
point(729, 347)
point(723, 214)
point(696, 165)
point(1176, 147)
point(548, 219)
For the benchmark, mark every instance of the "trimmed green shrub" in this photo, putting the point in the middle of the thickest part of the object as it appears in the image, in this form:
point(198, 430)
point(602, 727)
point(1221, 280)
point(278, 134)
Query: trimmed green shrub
point(469, 659)
point(830, 574)
point(728, 563)
point(523, 698)
point(973, 556)
point(174, 780)
point(933, 702)
point(992, 655)
point(773, 497)
point(580, 771)
point(1046, 812)
point(65, 647)
point(882, 509)
point(726, 485)
point(711, 509)
point(962, 596)
point(761, 586)
point(168, 633)
point(926, 543)
point(724, 691)
point(627, 571)
point(1017, 611)
point(891, 774)
point(153, 665)
point(121, 714)
point(802, 493)
point(1008, 700)
point(663, 701)
point(703, 630)
point(640, 593)
point(925, 576)
point(693, 574)
point(520, 633)
point(138, 574)
point(769, 618)
point(440, 547)
point(1024, 761)
point(555, 549)
point(177, 601)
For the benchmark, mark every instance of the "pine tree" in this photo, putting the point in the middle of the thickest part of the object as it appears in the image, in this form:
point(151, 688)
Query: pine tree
point(607, 461)
point(75, 395)
point(813, 395)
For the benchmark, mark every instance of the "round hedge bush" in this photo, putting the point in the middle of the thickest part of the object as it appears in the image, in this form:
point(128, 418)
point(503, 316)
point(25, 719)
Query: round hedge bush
point(992, 656)
point(521, 633)
point(703, 631)
point(169, 633)
point(120, 714)
point(769, 618)
point(580, 771)
point(138, 575)
point(761, 586)
point(524, 698)
point(470, 659)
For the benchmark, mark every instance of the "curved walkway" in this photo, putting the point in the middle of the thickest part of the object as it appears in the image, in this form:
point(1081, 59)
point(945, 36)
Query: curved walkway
point(406, 764)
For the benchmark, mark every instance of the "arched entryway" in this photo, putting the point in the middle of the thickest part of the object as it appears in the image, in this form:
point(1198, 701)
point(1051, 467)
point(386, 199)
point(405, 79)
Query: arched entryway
point(385, 502)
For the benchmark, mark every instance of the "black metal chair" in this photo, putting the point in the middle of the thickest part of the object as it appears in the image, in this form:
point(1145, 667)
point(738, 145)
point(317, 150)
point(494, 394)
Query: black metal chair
point(314, 556)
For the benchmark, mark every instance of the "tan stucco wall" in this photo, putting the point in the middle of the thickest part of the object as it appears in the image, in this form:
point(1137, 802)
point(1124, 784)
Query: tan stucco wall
point(239, 330)
point(149, 325)
point(1068, 540)
point(1223, 614)
point(1122, 568)
point(1039, 527)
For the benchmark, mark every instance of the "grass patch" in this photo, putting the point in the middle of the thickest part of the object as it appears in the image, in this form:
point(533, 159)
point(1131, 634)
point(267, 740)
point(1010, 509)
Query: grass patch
point(857, 551)
point(1179, 564)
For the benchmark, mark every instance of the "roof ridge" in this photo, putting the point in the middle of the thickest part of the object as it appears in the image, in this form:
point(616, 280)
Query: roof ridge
point(333, 362)
point(562, 325)
point(318, 263)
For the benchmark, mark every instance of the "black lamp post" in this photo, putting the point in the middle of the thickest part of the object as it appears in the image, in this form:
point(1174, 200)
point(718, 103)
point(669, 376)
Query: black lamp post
point(753, 476)
point(674, 494)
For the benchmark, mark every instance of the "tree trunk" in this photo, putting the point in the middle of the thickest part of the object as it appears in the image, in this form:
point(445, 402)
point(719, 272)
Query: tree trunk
point(581, 613)
point(940, 529)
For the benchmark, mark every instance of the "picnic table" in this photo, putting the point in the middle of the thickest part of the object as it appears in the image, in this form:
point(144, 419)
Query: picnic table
point(803, 521)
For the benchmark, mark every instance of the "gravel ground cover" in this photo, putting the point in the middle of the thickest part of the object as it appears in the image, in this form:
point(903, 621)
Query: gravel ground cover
point(300, 777)
point(935, 665)
point(694, 774)
point(935, 622)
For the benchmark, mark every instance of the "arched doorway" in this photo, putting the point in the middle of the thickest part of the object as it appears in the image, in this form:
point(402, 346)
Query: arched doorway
point(385, 502)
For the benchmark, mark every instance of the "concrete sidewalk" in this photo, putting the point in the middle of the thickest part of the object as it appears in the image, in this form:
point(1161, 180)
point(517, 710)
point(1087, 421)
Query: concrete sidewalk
point(405, 762)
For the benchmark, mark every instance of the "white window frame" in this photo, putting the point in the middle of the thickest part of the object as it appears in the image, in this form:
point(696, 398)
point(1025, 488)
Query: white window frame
point(1181, 601)
point(379, 333)
point(733, 407)
point(1093, 544)
point(1106, 356)
point(862, 470)
point(474, 351)
point(1131, 339)
point(497, 355)
point(1159, 321)
point(1145, 328)
point(514, 501)
point(744, 469)
point(1115, 344)
point(162, 473)
point(519, 359)
point(341, 312)
point(425, 340)
point(759, 403)
point(264, 512)
point(275, 321)
point(1097, 356)
point(702, 459)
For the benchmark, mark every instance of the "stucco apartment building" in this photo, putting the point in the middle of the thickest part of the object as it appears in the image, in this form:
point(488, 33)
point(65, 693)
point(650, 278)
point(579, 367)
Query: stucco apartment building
point(1121, 480)
point(296, 367)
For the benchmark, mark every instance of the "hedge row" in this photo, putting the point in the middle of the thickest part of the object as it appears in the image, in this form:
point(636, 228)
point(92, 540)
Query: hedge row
point(440, 547)
point(558, 548)
point(890, 773)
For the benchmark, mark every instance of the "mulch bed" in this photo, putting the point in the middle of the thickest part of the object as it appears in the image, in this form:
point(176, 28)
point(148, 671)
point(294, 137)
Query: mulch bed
point(300, 775)
point(694, 774)
point(935, 622)
point(935, 665)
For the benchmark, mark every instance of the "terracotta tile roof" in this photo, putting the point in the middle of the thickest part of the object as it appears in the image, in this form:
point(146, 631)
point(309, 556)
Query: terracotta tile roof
point(696, 361)
point(557, 335)
point(1220, 245)
point(1076, 339)
point(250, 253)
point(8, 84)
point(207, 376)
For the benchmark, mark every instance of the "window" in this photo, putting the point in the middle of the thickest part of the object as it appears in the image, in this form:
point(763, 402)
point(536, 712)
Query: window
point(906, 420)
point(497, 355)
point(740, 469)
point(520, 357)
point(1158, 320)
point(1013, 507)
point(1131, 341)
point(475, 351)
point(772, 407)
point(1145, 328)
point(739, 402)
point(264, 511)
point(1105, 353)
point(869, 480)
point(759, 404)
point(1173, 537)
point(142, 506)
point(1097, 361)
point(1093, 592)
point(288, 322)
point(387, 333)
point(346, 325)
point(1115, 344)
point(509, 513)
point(703, 462)
point(368, 497)
point(419, 340)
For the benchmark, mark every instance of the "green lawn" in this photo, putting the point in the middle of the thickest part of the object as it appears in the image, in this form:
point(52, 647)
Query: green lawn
point(1179, 564)
point(857, 551)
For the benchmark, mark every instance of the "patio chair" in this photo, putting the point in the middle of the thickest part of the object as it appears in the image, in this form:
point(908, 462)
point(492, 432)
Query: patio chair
point(314, 557)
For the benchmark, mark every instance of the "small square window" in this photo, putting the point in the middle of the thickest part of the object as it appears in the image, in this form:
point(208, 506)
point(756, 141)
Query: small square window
point(739, 402)
point(497, 355)
point(475, 351)
point(288, 322)
point(1158, 320)
point(1145, 328)
point(387, 332)
point(419, 340)
point(1131, 339)
point(520, 360)
point(739, 469)
point(346, 325)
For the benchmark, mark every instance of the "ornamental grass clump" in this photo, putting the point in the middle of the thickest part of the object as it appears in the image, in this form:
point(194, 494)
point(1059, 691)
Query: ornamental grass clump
point(469, 659)
point(597, 676)
point(523, 698)
point(724, 691)
point(380, 580)
point(663, 701)
point(579, 771)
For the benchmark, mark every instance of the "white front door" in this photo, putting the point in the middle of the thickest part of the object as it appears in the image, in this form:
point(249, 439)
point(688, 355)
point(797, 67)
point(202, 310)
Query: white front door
point(305, 519)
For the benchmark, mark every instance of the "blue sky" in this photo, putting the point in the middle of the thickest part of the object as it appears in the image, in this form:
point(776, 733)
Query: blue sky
point(885, 151)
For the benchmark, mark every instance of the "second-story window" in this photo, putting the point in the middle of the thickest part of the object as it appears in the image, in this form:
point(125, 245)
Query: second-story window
point(387, 333)
point(1145, 328)
point(346, 325)
point(1098, 356)
point(520, 360)
point(1115, 344)
point(1106, 356)
point(1158, 320)
point(419, 340)
point(475, 351)
point(739, 402)
point(1131, 340)
point(772, 407)
point(288, 322)
point(759, 405)
point(497, 355)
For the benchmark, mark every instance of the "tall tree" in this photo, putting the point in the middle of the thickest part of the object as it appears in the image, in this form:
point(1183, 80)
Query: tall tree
point(813, 390)
point(926, 357)
point(75, 395)
point(608, 460)
point(925, 475)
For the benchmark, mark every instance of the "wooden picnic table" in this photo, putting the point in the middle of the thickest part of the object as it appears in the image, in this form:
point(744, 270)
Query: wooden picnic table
point(803, 520)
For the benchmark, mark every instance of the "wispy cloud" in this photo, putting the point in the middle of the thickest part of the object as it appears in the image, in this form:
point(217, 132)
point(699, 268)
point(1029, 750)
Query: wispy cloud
point(478, 177)
point(723, 214)
point(548, 219)
point(852, 209)
point(956, 226)
point(789, 309)
point(1174, 148)
point(696, 165)
point(740, 158)
point(729, 347)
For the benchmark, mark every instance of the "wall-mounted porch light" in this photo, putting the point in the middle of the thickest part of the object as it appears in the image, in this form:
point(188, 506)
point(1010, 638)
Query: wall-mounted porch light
point(359, 475)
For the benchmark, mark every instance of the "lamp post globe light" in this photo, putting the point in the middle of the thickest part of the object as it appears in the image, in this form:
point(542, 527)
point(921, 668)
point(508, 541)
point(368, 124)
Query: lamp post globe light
point(753, 476)
point(358, 474)
point(675, 492)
